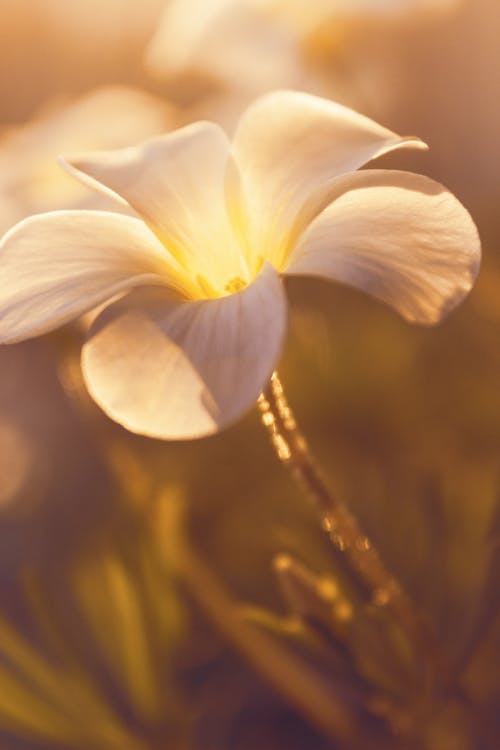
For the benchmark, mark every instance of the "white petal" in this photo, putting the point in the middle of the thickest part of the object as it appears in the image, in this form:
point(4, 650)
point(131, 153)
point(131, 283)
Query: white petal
point(289, 146)
point(56, 266)
point(246, 45)
point(399, 236)
point(178, 370)
point(180, 35)
point(177, 183)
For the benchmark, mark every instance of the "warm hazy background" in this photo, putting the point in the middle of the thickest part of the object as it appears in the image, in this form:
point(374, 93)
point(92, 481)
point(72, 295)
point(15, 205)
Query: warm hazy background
point(405, 420)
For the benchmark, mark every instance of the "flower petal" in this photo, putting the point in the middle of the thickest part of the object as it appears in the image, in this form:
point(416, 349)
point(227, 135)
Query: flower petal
point(56, 266)
point(246, 45)
point(181, 33)
point(399, 236)
point(176, 370)
point(289, 146)
point(177, 184)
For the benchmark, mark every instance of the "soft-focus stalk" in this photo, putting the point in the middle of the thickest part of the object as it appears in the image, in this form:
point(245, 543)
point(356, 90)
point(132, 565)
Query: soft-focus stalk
point(310, 693)
point(362, 557)
point(342, 528)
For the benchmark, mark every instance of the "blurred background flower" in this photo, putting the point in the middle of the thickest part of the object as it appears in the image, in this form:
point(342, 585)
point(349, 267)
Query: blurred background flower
point(237, 49)
point(31, 179)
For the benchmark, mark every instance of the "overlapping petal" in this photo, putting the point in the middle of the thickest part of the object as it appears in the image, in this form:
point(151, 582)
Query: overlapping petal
point(174, 369)
point(399, 236)
point(289, 146)
point(177, 183)
point(56, 266)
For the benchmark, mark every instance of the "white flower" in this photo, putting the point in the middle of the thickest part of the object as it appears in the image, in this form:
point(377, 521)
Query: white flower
point(201, 320)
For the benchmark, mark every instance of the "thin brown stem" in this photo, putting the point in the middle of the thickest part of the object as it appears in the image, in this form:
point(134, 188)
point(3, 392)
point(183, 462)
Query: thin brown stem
point(339, 523)
point(291, 675)
point(361, 555)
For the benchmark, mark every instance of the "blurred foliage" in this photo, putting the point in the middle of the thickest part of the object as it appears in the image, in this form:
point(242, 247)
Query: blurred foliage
point(90, 661)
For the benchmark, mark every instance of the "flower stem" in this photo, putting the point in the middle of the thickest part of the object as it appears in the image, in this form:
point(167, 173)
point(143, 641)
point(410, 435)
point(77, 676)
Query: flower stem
point(338, 522)
point(309, 692)
point(360, 554)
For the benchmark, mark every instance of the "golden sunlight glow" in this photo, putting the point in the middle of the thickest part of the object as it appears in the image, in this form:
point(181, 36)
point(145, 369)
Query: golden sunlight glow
point(208, 206)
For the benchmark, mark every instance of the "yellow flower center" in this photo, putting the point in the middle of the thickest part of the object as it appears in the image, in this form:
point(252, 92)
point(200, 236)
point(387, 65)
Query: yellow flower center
point(235, 285)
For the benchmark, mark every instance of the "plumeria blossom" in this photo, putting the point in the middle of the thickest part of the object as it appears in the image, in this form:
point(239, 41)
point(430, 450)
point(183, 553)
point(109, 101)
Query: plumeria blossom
point(197, 311)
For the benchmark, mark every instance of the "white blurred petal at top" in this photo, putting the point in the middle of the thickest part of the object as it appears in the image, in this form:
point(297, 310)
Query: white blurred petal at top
point(236, 42)
point(259, 45)
point(31, 181)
